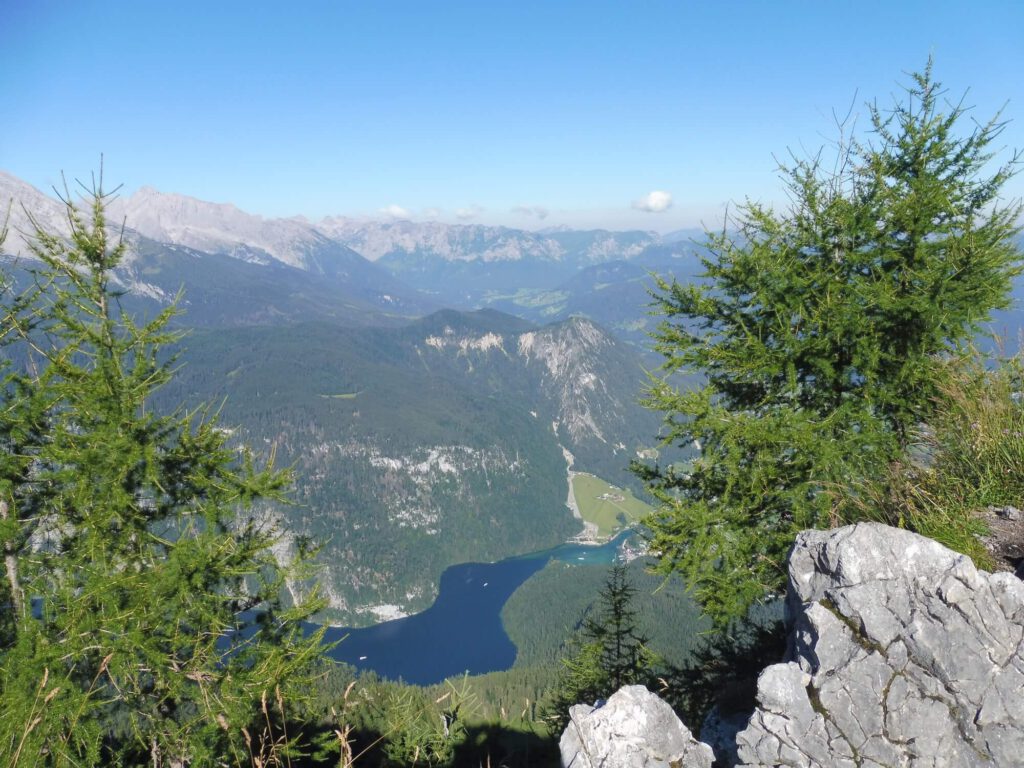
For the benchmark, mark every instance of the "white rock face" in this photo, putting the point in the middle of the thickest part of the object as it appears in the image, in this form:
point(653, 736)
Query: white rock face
point(633, 729)
point(22, 204)
point(607, 247)
point(24, 199)
point(463, 344)
point(904, 654)
point(450, 242)
point(565, 357)
point(217, 228)
point(567, 354)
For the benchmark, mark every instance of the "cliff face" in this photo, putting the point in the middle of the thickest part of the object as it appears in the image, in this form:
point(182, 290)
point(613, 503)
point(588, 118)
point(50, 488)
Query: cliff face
point(901, 653)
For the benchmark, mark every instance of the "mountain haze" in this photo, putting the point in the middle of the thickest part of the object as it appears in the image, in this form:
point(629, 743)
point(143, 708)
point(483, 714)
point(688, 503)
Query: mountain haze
point(235, 268)
point(355, 271)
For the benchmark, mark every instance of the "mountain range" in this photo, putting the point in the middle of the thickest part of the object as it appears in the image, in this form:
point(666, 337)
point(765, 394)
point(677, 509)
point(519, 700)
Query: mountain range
point(419, 437)
point(239, 268)
point(430, 385)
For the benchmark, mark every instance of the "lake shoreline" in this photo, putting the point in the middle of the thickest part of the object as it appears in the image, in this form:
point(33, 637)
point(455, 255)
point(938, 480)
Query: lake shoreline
point(462, 631)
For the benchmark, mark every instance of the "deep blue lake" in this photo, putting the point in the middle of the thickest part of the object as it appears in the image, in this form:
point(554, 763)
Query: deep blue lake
point(462, 630)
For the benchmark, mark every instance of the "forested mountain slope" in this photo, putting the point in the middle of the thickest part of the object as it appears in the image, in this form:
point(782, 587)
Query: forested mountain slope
point(417, 447)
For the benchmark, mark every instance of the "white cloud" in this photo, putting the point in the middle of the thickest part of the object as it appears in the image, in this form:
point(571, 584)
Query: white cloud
point(395, 212)
point(532, 210)
point(471, 212)
point(654, 202)
point(431, 213)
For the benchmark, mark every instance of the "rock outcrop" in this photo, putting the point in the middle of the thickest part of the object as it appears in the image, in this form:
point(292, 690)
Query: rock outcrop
point(633, 729)
point(902, 654)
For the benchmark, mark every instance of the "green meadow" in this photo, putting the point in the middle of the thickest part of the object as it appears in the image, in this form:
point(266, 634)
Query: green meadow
point(609, 507)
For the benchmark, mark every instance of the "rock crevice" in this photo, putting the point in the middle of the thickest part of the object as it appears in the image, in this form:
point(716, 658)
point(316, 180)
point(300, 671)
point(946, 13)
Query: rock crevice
point(901, 653)
point(905, 653)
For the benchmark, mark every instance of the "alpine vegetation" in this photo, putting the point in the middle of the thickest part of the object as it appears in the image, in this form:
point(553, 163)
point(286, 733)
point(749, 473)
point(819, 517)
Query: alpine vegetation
point(821, 331)
point(143, 620)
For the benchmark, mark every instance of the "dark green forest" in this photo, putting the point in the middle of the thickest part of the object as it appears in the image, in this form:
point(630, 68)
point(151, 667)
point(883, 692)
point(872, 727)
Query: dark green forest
point(408, 458)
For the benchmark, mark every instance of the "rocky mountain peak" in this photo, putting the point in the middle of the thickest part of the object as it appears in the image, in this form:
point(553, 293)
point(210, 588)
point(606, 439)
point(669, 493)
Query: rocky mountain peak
point(568, 354)
point(18, 200)
point(217, 227)
point(564, 348)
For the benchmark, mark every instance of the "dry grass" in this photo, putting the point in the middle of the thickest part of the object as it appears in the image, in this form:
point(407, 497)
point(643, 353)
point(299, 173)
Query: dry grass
point(968, 457)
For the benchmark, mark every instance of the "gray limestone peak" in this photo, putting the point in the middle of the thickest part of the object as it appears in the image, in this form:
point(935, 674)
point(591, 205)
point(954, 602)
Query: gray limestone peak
point(902, 654)
point(633, 729)
point(20, 203)
point(218, 228)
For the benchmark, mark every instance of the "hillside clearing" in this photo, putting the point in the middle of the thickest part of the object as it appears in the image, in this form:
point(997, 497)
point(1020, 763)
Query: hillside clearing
point(607, 506)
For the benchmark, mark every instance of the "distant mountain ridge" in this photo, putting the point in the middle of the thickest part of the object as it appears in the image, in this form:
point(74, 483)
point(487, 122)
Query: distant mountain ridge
point(20, 202)
point(235, 268)
point(450, 242)
point(355, 271)
point(220, 228)
point(401, 238)
point(223, 228)
point(239, 269)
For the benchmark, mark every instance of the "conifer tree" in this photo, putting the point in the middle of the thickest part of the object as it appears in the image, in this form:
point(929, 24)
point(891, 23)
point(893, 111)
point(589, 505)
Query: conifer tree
point(818, 332)
point(610, 652)
point(148, 626)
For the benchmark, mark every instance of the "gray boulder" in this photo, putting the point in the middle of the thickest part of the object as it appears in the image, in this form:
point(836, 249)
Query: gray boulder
point(902, 654)
point(633, 729)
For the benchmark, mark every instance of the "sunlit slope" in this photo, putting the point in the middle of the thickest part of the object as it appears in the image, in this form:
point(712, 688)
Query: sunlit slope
point(418, 447)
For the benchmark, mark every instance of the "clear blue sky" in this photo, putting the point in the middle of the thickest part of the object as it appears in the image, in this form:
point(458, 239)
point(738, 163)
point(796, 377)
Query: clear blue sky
point(479, 107)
